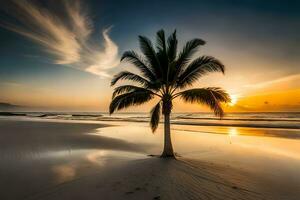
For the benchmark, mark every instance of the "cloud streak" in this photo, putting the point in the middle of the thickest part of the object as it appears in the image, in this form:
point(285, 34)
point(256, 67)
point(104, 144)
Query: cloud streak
point(66, 37)
point(287, 79)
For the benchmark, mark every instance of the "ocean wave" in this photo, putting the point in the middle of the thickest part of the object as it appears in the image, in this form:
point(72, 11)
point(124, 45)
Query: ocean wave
point(241, 119)
point(266, 120)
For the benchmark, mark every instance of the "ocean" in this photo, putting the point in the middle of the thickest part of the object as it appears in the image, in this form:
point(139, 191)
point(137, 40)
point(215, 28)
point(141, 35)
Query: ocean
point(282, 120)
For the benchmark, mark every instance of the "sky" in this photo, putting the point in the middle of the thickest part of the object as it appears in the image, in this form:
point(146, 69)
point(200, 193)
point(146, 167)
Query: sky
point(60, 54)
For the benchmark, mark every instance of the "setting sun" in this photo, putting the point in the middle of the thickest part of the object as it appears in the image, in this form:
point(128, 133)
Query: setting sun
point(234, 99)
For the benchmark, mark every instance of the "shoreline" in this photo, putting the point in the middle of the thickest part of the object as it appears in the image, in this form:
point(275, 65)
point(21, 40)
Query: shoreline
point(280, 131)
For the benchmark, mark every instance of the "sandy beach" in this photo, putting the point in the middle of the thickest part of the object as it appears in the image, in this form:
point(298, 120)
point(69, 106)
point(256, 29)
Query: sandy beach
point(43, 159)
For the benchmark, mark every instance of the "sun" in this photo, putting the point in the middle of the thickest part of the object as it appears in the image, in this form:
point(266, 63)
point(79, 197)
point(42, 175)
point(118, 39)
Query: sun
point(234, 99)
point(232, 132)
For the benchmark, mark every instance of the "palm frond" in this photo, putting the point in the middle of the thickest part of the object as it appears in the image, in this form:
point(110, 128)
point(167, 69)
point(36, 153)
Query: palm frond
point(162, 71)
point(127, 88)
point(188, 50)
point(138, 62)
point(161, 41)
point(150, 54)
point(198, 68)
point(172, 47)
point(162, 54)
point(126, 100)
point(185, 56)
point(155, 116)
point(125, 75)
point(212, 97)
point(164, 66)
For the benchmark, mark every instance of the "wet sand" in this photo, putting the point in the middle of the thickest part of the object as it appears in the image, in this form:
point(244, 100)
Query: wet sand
point(64, 160)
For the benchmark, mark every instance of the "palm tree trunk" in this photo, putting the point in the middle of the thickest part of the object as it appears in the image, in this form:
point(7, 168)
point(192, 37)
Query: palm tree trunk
point(168, 148)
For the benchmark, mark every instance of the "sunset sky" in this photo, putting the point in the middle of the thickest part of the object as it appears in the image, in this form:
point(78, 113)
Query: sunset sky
point(60, 55)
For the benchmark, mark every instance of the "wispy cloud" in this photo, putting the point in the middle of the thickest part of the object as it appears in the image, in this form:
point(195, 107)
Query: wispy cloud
point(66, 37)
point(287, 79)
point(101, 60)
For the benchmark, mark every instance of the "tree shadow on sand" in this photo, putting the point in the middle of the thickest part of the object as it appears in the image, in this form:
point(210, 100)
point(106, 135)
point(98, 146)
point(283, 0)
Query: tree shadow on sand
point(154, 178)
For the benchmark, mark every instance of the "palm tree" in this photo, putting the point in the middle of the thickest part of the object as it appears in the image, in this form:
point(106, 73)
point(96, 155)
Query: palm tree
point(163, 73)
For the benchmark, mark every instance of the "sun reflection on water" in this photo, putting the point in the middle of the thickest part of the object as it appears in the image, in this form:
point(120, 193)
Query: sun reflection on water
point(233, 132)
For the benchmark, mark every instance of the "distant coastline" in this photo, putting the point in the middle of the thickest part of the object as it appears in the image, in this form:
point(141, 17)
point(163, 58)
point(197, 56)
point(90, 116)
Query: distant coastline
point(7, 106)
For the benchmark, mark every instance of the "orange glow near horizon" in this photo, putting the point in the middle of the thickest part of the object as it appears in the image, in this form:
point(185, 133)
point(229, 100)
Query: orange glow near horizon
point(274, 101)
